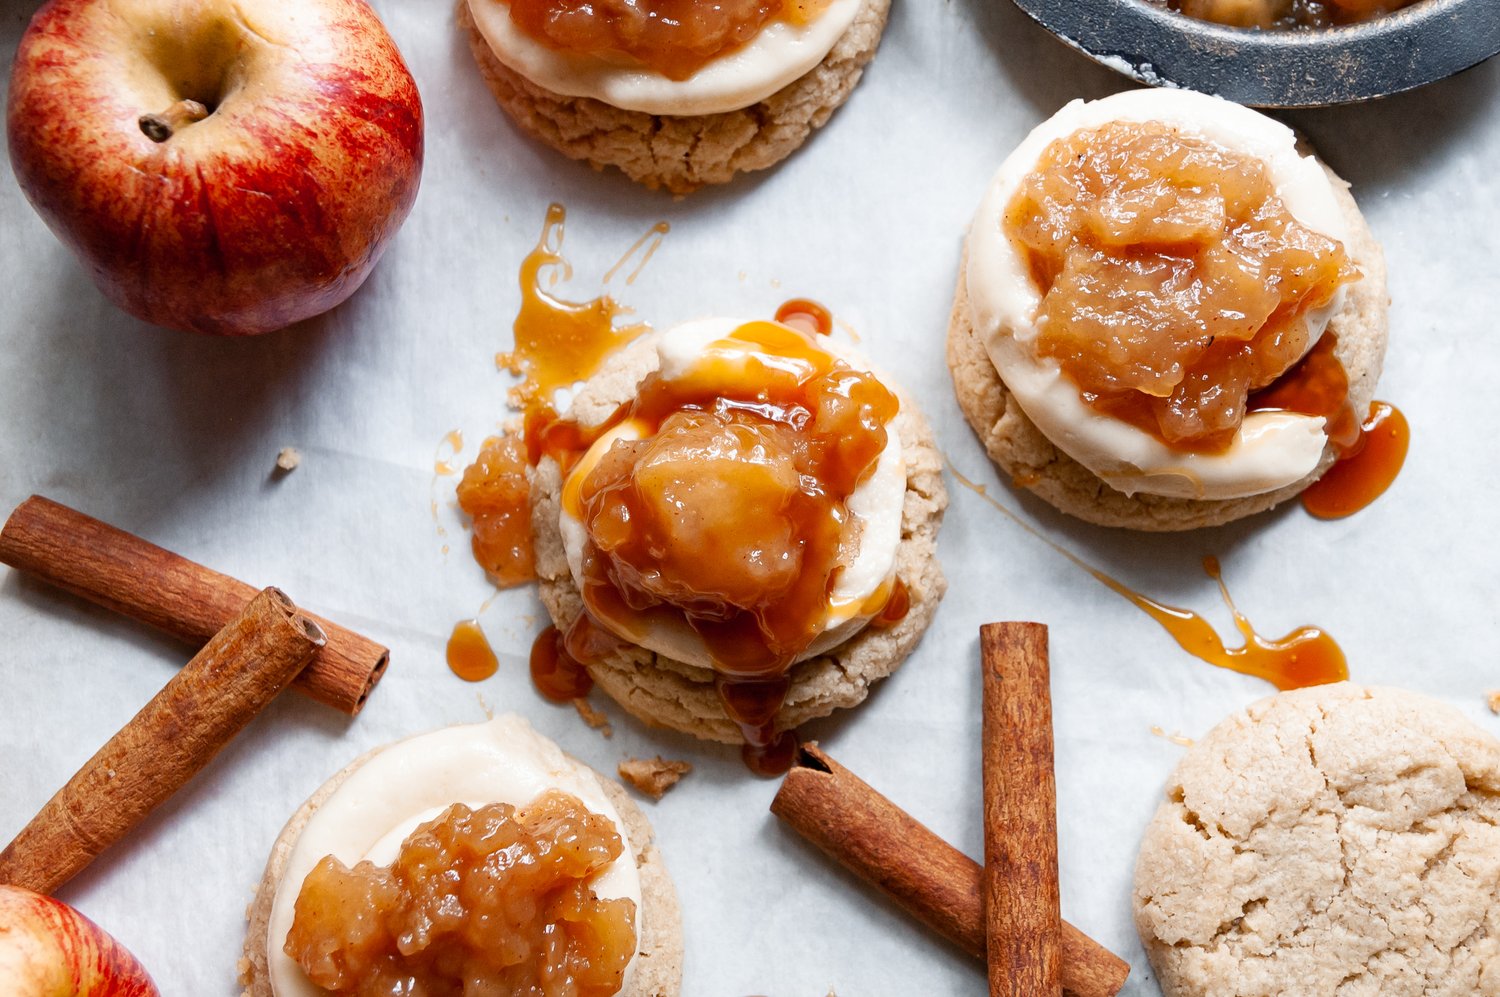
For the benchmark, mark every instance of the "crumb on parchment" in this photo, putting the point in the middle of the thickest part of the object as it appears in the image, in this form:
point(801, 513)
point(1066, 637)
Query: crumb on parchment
point(1176, 737)
point(287, 459)
point(1493, 698)
point(653, 776)
point(594, 718)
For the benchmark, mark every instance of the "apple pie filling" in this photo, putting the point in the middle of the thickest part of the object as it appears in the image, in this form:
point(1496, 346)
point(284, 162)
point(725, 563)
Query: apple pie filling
point(1174, 281)
point(495, 900)
point(714, 507)
point(674, 37)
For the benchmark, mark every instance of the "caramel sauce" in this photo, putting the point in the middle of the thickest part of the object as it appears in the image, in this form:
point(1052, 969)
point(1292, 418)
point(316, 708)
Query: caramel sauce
point(1364, 471)
point(673, 37)
point(470, 656)
point(1174, 281)
point(454, 441)
point(806, 315)
point(651, 239)
point(489, 901)
point(897, 605)
point(1318, 386)
point(1306, 656)
point(559, 343)
point(557, 675)
point(723, 507)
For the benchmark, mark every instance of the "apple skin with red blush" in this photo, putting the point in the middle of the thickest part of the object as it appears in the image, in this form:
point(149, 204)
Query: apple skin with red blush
point(218, 167)
point(48, 949)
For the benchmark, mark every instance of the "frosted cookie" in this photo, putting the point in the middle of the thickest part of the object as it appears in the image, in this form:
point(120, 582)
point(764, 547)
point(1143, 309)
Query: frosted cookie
point(609, 894)
point(1167, 316)
point(615, 87)
point(738, 534)
point(1334, 840)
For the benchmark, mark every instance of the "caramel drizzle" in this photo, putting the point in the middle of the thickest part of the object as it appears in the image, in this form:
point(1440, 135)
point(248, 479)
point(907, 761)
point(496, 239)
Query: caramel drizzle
point(1305, 656)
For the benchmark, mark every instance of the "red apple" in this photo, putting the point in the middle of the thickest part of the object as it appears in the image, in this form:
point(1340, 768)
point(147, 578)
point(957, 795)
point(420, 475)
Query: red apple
point(218, 166)
point(48, 949)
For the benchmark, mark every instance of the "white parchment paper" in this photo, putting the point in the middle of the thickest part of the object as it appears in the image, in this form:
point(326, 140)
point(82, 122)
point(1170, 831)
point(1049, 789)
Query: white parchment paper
point(174, 438)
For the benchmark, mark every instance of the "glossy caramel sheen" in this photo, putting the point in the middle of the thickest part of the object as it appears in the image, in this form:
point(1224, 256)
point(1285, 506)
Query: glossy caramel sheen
point(487, 901)
point(469, 654)
point(1174, 281)
point(496, 495)
point(556, 672)
point(728, 512)
point(673, 37)
point(1306, 656)
point(1366, 470)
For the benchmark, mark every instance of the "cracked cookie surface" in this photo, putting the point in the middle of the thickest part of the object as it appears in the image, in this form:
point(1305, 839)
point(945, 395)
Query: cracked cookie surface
point(684, 152)
point(1337, 841)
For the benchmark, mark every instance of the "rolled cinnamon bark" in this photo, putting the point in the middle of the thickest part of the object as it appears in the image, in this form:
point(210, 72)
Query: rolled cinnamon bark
point(1023, 924)
point(122, 572)
point(935, 882)
point(170, 740)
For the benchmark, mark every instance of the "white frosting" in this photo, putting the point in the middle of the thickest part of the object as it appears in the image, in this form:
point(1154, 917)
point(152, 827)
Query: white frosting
point(874, 507)
point(1271, 449)
point(778, 55)
point(412, 781)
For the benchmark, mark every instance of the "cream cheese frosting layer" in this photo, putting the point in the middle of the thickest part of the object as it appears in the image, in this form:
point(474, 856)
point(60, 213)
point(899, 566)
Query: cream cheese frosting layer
point(412, 781)
point(1271, 449)
point(874, 506)
point(779, 54)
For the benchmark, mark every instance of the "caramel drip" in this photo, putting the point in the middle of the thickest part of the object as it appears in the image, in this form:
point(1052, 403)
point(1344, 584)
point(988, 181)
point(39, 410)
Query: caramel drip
point(651, 239)
point(559, 343)
point(1316, 385)
point(807, 315)
point(454, 441)
point(557, 675)
point(751, 571)
point(897, 605)
point(469, 654)
point(1366, 470)
point(1306, 656)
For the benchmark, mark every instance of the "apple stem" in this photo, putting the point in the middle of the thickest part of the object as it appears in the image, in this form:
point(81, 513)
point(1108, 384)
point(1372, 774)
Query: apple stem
point(160, 127)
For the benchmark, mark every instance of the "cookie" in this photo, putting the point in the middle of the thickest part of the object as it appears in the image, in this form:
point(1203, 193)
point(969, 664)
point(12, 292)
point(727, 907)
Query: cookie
point(1033, 462)
point(1331, 841)
point(683, 152)
point(669, 693)
point(658, 970)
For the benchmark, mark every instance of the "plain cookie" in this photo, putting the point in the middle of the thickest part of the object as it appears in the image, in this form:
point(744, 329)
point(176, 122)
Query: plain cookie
point(682, 153)
point(675, 694)
point(658, 971)
point(1020, 450)
point(1335, 841)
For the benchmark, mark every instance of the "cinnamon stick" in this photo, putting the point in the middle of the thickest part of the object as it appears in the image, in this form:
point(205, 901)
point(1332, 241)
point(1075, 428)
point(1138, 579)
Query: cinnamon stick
point(122, 572)
point(170, 740)
point(1023, 925)
point(933, 881)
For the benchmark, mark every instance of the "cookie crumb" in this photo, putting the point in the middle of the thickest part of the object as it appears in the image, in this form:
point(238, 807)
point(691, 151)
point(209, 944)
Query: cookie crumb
point(653, 776)
point(1176, 737)
point(243, 971)
point(594, 718)
point(287, 459)
point(1493, 698)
